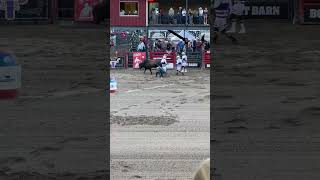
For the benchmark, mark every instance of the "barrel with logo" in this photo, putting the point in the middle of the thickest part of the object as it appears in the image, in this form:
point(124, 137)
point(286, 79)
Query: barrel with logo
point(10, 75)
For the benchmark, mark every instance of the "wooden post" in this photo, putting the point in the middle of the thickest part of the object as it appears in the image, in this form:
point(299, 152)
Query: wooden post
point(53, 11)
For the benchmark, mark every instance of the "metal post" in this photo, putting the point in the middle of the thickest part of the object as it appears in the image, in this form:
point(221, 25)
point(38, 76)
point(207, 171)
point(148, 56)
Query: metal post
point(187, 17)
point(147, 44)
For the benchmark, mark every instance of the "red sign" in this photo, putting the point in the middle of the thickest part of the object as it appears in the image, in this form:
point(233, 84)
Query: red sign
point(83, 9)
point(206, 59)
point(138, 57)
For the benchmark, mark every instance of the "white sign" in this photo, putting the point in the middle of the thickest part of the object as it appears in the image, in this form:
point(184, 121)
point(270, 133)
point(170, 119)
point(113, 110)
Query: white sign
point(10, 77)
point(208, 65)
point(314, 13)
point(263, 10)
point(193, 64)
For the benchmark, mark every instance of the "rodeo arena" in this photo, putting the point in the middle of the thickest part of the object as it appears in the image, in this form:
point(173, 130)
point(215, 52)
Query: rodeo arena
point(266, 89)
point(52, 78)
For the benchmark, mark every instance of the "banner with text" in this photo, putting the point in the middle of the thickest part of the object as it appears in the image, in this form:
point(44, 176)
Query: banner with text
point(278, 9)
point(311, 13)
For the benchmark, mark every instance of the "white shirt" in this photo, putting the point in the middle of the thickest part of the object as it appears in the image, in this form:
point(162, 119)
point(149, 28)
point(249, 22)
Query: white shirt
point(184, 12)
point(200, 12)
point(184, 60)
point(171, 12)
point(164, 60)
point(179, 61)
point(141, 46)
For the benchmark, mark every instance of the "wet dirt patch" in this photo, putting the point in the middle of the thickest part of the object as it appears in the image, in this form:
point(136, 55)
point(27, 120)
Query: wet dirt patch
point(143, 120)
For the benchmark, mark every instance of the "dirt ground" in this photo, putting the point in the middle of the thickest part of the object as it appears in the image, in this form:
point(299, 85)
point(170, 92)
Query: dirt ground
point(265, 109)
point(160, 128)
point(266, 103)
point(56, 128)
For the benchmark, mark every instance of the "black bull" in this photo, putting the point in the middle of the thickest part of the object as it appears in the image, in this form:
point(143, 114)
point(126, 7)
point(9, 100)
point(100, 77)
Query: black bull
point(149, 64)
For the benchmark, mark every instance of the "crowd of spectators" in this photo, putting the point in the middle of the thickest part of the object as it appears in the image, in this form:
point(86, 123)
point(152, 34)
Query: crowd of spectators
point(179, 16)
point(164, 45)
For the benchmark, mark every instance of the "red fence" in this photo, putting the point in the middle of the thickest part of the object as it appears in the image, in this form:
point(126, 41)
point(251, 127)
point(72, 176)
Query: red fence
point(206, 59)
point(201, 59)
point(171, 58)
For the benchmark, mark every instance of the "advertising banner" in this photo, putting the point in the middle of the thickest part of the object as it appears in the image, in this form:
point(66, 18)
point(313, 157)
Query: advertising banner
point(138, 57)
point(311, 13)
point(278, 9)
point(83, 9)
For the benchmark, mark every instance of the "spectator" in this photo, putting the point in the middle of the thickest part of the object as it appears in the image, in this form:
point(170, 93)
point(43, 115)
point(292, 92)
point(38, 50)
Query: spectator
point(181, 46)
point(205, 15)
point(184, 16)
point(171, 15)
point(194, 45)
point(179, 16)
point(196, 17)
point(190, 16)
point(160, 19)
point(153, 14)
point(201, 20)
point(141, 47)
point(122, 12)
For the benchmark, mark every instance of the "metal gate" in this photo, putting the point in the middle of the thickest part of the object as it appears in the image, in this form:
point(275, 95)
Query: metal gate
point(28, 10)
point(194, 59)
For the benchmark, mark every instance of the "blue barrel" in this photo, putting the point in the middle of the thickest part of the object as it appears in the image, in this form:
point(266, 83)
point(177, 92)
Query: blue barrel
point(113, 85)
point(10, 75)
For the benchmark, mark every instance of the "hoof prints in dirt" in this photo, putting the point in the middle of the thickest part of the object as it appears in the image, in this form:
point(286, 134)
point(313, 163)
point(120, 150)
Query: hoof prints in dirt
point(236, 129)
point(222, 97)
point(229, 108)
point(235, 120)
point(73, 139)
point(143, 120)
point(314, 111)
point(271, 127)
point(10, 160)
point(136, 177)
point(98, 175)
point(45, 149)
point(293, 122)
point(291, 84)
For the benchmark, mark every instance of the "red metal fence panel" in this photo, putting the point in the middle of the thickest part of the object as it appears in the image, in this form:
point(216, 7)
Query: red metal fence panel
point(206, 58)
